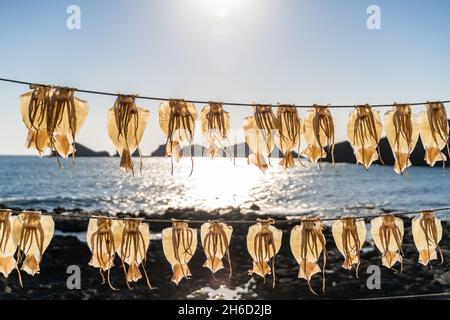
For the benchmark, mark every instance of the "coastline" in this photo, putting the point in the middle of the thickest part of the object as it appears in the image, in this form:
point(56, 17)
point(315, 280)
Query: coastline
point(67, 249)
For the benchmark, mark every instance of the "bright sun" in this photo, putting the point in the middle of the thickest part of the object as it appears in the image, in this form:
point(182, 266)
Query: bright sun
point(220, 8)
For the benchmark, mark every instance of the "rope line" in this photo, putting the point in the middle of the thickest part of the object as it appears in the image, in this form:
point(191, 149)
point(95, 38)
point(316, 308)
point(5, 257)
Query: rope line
point(241, 104)
point(289, 221)
point(293, 220)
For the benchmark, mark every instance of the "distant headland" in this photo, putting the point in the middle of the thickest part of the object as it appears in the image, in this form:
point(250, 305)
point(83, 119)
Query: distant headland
point(343, 152)
point(83, 151)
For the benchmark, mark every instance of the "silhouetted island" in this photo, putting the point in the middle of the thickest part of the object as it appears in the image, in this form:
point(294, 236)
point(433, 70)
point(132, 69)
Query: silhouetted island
point(343, 153)
point(195, 149)
point(83, 151)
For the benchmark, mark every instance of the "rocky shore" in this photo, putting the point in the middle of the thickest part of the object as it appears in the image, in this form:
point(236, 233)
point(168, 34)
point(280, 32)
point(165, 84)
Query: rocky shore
point(67, 248)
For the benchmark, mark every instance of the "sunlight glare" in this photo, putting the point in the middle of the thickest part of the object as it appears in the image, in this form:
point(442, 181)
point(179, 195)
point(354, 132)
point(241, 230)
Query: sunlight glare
point(222, 183)
point(220, 8)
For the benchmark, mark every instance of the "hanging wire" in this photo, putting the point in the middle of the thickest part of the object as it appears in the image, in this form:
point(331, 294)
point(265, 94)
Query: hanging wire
point(225, 103)
point(287, 221)
point(241, 104)
point(292, 220)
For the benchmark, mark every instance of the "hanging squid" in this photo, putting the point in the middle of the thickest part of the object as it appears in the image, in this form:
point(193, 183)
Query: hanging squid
point(259, 131)
point(319, 133)
point(102, 243)
point(349, 236)
point(387, 233)
point(433, 129)
point(307, 244)
point(32, 232)
point(215, 127)
point(132, 241)
point(179, 244)
point(8, 246)
point(427, 233)
point(267, 122)
point(216, 237)
point(289, 131)
point(34, 108)
point(66, 116)
point(364, 131)
point(177, 121)
point(53, 118)
point(126, 125)
point(263, 244)
point(402, 133)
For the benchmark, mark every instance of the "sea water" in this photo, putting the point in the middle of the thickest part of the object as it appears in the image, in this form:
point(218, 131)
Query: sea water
point(98, 184)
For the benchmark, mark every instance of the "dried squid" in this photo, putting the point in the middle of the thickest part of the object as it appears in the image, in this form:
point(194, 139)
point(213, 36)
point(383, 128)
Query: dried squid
point(132, 241)
point(34, 108)
point(8, 246)
point(387, 233)
point(215, 127)
point(53, 118)
point(32, 232)
point(307, 244)
point(259, 131)
point(263, 244)
point(402, 132)
point(177, 121)
point(66, 117)
point(427, 233)
point(179, 244)
point(101, 242)
point(349, 236)
point(364, 131)
point(126, 125)
point(216, 237)
point(289, 131)
point(319, 133)
point(434, 132)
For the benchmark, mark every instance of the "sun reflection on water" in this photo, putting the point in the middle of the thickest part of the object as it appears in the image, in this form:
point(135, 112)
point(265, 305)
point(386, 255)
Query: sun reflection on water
point(216, 185)
point(219, 183)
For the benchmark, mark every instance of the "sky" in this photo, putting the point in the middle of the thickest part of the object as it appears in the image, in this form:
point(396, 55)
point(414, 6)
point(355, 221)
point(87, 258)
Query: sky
point(263, 51)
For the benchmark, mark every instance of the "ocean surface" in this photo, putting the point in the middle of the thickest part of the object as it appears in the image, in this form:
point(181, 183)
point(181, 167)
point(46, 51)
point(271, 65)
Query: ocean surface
point(98, 184)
